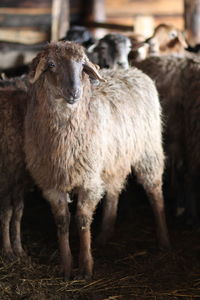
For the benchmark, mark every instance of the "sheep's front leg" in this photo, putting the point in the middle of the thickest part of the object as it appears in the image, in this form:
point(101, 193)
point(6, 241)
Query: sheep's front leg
point(5, 217)
point(86, 205)
point(6, 212)
point(60, 210)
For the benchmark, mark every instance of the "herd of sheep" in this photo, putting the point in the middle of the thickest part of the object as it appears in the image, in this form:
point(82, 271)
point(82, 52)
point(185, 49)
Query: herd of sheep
point(84, 117)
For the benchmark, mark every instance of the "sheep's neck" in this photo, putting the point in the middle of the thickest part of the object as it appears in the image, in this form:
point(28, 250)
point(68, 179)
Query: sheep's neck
point(59, 133)
point(58, 113)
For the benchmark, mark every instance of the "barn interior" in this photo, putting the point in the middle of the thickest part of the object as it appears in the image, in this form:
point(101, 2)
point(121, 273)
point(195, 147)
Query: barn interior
point(130, 265)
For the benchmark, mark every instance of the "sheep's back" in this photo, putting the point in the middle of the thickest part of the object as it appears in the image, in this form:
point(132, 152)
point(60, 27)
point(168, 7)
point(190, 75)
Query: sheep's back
point(129, 105)
point(12, 111)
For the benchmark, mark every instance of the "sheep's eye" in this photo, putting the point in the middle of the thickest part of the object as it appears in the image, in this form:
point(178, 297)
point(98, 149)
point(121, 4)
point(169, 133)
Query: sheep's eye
point(51, 65)
point(102, 47)
point(173, 34)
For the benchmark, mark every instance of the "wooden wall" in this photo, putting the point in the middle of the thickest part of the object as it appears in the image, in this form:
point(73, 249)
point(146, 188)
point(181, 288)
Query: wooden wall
point(143, 14)
point(162, 11)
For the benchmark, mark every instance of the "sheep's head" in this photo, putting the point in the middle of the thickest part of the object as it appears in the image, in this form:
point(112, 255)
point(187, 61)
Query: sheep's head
point(166, 40)
point(112, 51)
point(61, 67)
point(80, 35)
point(139, 50)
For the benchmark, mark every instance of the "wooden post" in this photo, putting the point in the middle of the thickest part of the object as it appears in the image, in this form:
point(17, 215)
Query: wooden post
point(144, 25)
point(192, 21)
point(95, 12)
point(60, 19)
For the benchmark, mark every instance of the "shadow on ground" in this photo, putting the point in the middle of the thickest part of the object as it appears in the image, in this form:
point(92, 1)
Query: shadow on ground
point(129, 267)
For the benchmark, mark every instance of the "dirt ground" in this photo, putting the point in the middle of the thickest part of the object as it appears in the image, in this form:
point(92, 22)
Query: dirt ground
point(129, 267)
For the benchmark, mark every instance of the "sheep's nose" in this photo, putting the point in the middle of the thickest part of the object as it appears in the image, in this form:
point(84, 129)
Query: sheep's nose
point(122, 65)
point(75, 94)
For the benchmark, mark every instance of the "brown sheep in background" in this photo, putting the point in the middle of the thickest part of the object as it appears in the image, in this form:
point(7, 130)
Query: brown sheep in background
point(167, 40)
point(13, 177)
point(87, 139)
point(177, 81)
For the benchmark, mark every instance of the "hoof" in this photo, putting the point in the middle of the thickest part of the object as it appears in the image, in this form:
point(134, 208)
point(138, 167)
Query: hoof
point(165, 245)
point(67, 275)
point(102, 239)
point(20, 253)
point(8, 256)
point(83, 276)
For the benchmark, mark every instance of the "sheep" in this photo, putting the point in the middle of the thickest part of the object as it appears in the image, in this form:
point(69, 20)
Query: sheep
point(14, 177)
point(86, 139)
point(111, 51)
point(80, 35)
point(140, 48)
point(177, 81)
point(15, 83)
point(167, 40)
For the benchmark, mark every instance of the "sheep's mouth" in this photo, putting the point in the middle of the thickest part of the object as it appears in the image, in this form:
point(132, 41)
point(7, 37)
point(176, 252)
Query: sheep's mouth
point(153, 52)
point(71, 100)
point(67, 100)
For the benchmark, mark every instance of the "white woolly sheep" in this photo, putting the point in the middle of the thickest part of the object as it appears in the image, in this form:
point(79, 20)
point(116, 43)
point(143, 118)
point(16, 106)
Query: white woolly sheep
point(87, 139)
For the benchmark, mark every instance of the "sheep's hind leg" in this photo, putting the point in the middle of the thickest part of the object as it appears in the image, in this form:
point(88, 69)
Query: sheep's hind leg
point(110, 206)
point(18, 207)
point(157, 202)
point(151, 179)
point(86, 205)
point(60, 210)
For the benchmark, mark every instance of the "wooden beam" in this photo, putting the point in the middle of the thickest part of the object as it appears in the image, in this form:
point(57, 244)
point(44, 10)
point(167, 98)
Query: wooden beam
point(41, 21)
point(109, 26)
point(60, 19)
point(143, 6)
point(25, 11)
point(22, 35)
point(192, 20)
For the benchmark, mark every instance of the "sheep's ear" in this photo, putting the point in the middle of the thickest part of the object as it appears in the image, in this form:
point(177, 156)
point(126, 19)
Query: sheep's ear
point(137, 45)
point(92, 70)
point(39, 69)
point(91, 48)
point(182, 39)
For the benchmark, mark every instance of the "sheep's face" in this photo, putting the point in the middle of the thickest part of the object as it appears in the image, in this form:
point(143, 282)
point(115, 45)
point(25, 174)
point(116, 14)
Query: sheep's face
point(165, 40)
point(61, 68)
point(112, 51)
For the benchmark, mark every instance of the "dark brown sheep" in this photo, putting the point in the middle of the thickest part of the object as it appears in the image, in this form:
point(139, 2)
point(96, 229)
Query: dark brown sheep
point(177, 80)
point(12, 168)
point(87, 139)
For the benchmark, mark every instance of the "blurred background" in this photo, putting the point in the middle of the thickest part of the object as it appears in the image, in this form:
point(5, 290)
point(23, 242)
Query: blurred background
point(31, 22)
point(25, 25)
